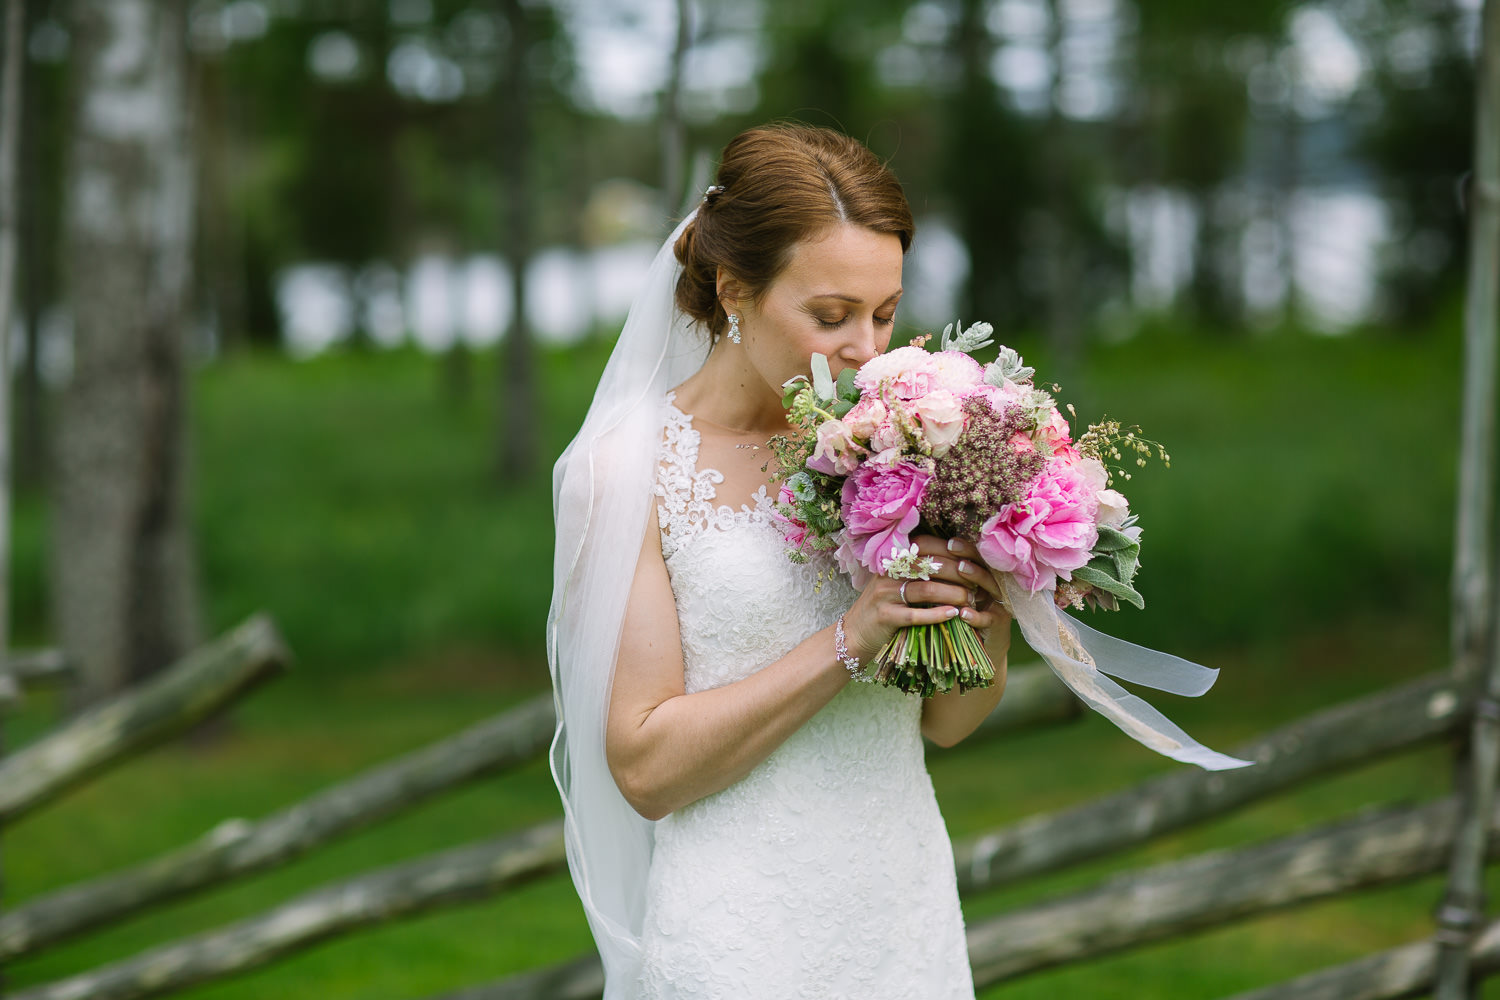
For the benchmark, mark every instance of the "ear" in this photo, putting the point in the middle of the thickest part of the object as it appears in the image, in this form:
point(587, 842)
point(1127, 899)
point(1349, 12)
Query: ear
point(729, 290)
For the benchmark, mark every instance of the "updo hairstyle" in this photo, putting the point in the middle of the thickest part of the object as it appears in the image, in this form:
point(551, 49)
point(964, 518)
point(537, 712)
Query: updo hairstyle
point(780, 184)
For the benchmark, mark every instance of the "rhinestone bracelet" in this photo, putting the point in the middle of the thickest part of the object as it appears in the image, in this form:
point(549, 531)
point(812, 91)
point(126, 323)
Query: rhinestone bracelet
point(851, 663)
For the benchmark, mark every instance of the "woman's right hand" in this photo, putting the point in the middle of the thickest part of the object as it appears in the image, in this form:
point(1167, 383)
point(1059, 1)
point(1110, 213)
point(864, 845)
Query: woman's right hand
point(879, 610)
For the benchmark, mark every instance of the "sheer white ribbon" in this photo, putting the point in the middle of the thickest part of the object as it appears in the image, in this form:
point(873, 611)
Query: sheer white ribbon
point(1081, 656)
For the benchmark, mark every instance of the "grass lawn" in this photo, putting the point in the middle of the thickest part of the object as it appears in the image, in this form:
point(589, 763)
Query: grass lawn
point(1299, 542)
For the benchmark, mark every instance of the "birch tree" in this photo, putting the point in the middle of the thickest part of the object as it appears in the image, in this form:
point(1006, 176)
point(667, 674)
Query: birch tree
point(124, 591)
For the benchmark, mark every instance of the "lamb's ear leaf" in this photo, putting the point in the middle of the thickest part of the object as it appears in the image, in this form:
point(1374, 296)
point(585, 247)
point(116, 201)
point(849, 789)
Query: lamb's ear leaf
point(1100, 573)
point(822, 378)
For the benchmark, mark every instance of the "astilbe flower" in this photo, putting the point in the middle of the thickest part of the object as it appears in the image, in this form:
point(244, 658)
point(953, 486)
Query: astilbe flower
point(982, 472)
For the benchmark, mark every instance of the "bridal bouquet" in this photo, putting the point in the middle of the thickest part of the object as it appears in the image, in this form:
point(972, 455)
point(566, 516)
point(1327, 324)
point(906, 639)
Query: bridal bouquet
point(935, 442)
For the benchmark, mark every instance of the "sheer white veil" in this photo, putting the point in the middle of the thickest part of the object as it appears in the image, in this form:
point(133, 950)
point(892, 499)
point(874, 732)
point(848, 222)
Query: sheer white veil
point(601, 493)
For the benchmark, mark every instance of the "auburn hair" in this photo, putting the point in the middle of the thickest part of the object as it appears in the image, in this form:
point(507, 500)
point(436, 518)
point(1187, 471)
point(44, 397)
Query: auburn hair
point(778, 185)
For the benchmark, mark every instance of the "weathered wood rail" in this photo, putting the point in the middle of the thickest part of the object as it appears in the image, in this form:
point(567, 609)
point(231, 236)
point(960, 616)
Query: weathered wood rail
point(1351, 734)
point(237, 847)
point(472, 872)
point(195, 687)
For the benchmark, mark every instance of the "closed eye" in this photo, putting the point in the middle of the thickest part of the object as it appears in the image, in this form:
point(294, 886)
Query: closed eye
point(835, 324)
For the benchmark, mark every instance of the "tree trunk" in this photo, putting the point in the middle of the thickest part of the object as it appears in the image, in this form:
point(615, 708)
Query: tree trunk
point(11, 66)
point(516, 407)
point(124, 588)
point(673, 132)
point(1476, 651)
point(36, 253)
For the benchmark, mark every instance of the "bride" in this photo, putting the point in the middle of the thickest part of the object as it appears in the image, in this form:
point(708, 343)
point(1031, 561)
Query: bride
point(743, 820)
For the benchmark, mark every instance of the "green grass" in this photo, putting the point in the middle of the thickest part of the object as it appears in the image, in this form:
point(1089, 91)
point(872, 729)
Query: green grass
point(1299, 542)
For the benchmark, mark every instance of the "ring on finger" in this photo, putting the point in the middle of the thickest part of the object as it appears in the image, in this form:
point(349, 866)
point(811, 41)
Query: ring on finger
point(902, 592)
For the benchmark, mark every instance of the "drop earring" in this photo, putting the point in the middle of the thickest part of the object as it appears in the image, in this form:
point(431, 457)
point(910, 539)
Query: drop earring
point(734, 327)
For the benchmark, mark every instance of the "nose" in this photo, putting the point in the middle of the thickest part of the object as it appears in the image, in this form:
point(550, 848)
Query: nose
point(864, 344)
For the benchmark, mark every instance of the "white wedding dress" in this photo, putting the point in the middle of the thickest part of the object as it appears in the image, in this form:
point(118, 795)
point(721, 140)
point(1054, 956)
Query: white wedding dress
point(827, 871)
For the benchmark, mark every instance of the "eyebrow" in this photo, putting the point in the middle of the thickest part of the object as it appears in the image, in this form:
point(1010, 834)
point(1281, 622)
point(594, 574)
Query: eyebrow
point(855, 301)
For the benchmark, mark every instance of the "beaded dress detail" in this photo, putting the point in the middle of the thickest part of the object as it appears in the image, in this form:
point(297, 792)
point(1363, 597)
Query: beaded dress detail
point(826, 872)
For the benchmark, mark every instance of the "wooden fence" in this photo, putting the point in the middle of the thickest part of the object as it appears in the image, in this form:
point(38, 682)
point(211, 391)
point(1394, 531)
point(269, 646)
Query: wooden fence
point(1376, 846)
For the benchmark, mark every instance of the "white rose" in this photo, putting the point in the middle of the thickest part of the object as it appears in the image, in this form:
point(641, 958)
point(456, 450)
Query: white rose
point(1113, 508)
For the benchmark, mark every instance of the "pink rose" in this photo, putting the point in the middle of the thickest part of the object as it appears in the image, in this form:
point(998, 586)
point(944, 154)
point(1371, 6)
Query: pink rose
point(887, 436)
point(1046, 534)
point(836, 454)
point(880, 509)
point(1068, 455)
point(1054, 431)
point(866, 415)
point(942, 420)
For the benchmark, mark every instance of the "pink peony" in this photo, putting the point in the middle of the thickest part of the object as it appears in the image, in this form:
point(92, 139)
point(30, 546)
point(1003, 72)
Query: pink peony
point(1021, 443)
point(880, 509)
point(849, 563)
point(1046, 534)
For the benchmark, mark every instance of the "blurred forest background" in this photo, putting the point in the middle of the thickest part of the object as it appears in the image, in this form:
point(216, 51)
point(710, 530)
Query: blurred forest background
point(312, 293)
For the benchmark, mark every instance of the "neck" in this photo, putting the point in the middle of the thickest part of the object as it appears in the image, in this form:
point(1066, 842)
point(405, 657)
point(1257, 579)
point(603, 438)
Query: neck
point(729, 392)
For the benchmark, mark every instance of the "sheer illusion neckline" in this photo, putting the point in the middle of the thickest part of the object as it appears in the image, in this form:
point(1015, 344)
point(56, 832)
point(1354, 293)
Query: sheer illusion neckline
point(689, 493)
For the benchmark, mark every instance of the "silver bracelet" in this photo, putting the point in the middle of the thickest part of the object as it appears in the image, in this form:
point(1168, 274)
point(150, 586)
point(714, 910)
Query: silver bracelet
point(851, 663)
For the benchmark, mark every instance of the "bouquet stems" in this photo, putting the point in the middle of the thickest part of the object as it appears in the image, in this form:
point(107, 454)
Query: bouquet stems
point(933, 659)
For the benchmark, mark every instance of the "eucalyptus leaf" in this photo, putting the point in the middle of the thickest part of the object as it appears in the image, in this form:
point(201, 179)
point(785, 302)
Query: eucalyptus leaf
point(846, 388)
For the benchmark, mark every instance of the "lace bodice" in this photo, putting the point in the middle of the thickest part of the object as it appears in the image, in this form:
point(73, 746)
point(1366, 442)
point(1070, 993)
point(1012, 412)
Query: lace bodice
point(827, 871)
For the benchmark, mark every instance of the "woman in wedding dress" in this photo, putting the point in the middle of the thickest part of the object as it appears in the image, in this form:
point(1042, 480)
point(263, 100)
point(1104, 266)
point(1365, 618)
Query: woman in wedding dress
point(743, 819)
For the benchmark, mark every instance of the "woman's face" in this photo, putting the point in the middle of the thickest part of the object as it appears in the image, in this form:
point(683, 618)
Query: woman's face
point(836, 297)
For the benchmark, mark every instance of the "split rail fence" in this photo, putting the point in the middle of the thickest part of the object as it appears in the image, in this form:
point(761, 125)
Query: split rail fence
point(1377, 846)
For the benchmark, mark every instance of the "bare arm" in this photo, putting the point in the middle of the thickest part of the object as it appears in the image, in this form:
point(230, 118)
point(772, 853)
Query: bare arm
point(667, 748)
point(949, 718)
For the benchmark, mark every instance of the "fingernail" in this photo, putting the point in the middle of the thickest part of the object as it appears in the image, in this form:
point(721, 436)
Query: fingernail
point(953, 545)
point(964, 566)
point(968, 615)
point(951, 612)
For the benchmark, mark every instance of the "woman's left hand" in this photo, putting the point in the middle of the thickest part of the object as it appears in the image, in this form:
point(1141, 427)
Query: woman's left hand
point(959, 562)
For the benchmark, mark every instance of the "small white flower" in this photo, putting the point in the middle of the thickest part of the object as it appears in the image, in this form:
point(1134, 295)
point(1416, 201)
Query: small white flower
point(908, 564)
